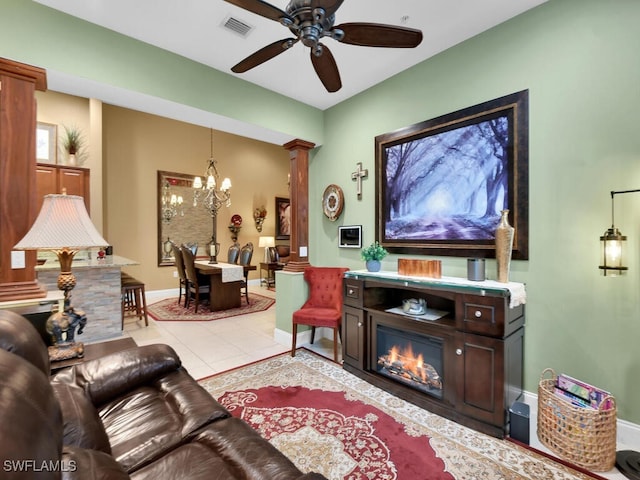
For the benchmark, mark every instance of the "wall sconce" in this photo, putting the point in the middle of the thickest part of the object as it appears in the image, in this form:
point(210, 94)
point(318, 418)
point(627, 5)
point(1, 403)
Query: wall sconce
point(234, 226)
point(613, 244)
point(259, 214)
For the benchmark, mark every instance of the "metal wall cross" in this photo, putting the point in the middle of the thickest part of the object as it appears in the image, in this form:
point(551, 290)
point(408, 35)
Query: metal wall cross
point(358, 175)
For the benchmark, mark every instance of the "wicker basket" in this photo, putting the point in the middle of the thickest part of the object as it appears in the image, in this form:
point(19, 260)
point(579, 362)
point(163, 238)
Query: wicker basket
point(583, 436)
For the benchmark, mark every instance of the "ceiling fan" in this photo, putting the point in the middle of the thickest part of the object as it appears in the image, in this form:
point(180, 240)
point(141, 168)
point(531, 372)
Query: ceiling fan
point(311, 20)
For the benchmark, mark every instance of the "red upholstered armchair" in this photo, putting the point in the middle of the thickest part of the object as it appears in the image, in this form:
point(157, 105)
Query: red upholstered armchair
point(323, 308)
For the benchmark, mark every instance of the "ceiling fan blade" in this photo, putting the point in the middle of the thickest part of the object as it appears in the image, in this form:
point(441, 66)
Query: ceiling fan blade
point(379, 35)
point(326, 68)
point(262, 8)
point(329, 6)
point(264, 54)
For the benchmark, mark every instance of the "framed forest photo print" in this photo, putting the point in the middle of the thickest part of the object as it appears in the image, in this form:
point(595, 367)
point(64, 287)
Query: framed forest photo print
point(441, 184)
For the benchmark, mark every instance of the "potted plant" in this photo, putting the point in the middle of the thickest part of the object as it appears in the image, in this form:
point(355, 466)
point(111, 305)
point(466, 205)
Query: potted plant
point(372, 256)
point(72, 141)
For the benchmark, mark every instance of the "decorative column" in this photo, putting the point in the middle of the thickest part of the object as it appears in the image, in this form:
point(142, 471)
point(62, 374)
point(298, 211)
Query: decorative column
point(18, 84)
point(299, 169)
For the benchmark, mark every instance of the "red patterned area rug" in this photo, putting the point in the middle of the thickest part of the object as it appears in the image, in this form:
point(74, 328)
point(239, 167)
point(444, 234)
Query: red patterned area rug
point(330, 421)
point(169, 310)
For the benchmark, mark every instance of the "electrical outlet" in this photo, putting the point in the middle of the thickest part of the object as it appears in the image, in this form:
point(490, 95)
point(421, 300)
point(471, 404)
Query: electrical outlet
point(175, 274)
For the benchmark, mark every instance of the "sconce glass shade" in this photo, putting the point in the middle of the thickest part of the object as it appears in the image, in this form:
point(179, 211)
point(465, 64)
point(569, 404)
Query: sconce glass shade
point(612, 252)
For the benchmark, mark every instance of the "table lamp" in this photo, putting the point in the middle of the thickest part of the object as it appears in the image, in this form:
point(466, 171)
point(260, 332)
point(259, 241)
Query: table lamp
point(64, 227)
point(266, 242)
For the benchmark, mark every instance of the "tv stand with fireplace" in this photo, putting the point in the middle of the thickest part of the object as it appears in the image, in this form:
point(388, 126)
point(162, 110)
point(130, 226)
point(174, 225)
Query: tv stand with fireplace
point(466, 365)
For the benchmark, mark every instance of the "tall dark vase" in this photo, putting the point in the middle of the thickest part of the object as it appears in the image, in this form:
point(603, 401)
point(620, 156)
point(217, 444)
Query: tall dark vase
point(504, 246)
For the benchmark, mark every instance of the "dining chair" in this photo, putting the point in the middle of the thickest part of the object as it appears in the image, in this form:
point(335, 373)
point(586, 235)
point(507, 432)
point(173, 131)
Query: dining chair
point(323, 308)
point(233, 253)
point(195, 289)
point(184, 282)
point(246, 253)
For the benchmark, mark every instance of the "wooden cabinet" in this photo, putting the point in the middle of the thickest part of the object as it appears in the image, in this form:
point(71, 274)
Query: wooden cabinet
point(480, 338)
point(353, 335)
point(55, 178)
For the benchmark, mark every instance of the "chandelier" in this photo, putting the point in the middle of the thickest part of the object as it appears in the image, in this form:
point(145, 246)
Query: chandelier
point(209, 194)
point(170, 203)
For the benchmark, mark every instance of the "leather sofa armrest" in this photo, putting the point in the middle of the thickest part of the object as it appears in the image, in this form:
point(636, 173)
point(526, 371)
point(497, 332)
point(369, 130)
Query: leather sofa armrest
point(85, 464)
point(110, 376)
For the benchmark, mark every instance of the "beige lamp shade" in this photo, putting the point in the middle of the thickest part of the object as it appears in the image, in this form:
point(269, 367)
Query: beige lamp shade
point(63, 221)
point(264, 242)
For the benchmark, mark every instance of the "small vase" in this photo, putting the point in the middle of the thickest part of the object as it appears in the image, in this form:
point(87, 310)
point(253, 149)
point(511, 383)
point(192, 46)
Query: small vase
point(504, 246)
point(72, 160)
point(373, 265)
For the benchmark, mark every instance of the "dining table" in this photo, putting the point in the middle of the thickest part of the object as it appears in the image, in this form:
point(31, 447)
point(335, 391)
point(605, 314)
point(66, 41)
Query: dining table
point(225, 283)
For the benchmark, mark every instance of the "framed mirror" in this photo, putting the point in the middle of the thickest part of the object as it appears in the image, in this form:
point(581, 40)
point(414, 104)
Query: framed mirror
point(178, 220)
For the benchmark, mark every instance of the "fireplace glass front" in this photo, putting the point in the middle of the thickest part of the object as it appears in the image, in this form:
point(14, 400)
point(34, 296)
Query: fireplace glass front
point(410, 358)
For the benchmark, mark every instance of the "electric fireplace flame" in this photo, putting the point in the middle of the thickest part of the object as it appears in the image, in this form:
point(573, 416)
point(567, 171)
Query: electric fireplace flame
point(405, 366)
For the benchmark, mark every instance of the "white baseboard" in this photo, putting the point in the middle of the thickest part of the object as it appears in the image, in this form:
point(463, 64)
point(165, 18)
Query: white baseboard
point(284, 338)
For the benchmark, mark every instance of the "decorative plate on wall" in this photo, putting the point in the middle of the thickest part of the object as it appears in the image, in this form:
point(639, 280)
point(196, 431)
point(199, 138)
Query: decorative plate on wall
point(332, 202)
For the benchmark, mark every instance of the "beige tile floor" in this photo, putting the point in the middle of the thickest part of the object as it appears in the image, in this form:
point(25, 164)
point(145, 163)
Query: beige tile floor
point(212, 347)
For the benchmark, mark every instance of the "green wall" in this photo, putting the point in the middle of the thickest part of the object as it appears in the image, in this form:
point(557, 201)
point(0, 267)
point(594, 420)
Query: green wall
point(580, 61)
point(578, 58)
point(40, 36)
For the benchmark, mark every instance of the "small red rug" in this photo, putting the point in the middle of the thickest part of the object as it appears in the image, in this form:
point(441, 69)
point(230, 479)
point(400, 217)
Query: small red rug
point(350, 439)
point(169, 310)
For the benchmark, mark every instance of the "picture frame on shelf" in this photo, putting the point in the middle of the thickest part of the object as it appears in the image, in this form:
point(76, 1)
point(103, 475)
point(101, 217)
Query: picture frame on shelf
point(46, 143)
point(283, 218)
point(442, 183)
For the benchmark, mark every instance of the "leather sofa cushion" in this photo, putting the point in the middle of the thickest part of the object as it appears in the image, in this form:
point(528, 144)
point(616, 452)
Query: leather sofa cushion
point(30, 418)
point(19, 336)
point(153, 419)
point(82, 425)
point(108, 377)
point(85, 464)
point(228, 448)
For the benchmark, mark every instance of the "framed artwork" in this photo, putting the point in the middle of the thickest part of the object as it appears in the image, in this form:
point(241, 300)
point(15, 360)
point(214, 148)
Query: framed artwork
point(283, 218)
point(442, 183)
point(46, 142)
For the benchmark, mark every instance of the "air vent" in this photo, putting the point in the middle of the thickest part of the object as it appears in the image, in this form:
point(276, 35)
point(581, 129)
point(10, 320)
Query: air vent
point(237, 26)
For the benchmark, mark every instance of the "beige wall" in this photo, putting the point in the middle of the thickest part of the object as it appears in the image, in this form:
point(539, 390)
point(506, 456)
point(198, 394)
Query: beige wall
point(126, 148)
point(136, 145)
point(60, 109)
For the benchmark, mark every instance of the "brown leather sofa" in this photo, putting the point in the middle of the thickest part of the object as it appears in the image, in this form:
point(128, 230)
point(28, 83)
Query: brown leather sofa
point(135, 414)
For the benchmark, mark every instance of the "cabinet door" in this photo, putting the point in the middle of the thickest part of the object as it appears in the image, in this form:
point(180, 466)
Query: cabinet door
point(353, 348)
point(480, 378)
point(75, 181)
point(46, 182)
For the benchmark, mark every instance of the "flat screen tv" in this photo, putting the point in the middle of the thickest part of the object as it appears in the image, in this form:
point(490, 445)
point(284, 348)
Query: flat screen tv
point(350, 236)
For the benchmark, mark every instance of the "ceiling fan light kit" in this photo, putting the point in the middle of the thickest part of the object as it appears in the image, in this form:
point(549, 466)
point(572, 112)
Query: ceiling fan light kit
point(312, 20)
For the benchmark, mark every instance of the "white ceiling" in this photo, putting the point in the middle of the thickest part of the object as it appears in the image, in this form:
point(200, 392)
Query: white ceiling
point(193, 29)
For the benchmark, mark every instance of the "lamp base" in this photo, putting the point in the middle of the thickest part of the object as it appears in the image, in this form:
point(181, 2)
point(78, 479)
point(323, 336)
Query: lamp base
point(66, 351)
point(61, 327)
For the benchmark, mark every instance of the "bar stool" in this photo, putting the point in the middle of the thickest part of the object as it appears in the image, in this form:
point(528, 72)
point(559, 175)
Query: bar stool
point(134, 301)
